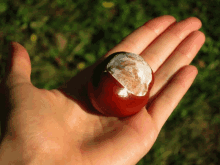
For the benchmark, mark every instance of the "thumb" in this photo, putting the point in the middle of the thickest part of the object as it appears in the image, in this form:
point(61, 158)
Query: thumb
point(18, 69)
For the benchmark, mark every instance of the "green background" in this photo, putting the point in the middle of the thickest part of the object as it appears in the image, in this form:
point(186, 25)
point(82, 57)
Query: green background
point(64, 37)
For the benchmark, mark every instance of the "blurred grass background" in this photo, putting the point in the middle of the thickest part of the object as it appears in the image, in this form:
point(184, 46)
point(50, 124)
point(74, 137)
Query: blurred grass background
point(64, 37)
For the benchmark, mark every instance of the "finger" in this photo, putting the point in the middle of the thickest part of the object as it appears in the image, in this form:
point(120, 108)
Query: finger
point(19, 65)
point(183, 55)
point(163, 46)
point(164, 104)
point(137, 41)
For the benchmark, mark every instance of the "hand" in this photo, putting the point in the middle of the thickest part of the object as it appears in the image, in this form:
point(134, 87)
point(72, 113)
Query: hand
point(60, 126)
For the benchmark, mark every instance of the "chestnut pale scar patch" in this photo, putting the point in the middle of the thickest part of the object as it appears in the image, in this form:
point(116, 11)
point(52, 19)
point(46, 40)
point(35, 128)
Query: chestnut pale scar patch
point(132, 72)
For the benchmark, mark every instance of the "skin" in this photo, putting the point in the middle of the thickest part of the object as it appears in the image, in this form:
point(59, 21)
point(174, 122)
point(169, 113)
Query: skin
point(60, 126)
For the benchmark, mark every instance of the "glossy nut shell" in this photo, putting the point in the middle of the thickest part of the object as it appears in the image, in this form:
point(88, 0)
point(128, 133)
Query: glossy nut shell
point(120, 85)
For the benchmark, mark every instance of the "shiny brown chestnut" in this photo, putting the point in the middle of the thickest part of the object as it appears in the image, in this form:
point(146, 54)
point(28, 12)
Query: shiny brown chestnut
point(120, 84)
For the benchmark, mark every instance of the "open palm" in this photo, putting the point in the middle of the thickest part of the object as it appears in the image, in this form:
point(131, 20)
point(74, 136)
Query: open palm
point(60, 126)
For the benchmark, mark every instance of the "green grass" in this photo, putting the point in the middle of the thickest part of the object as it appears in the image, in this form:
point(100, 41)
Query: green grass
point(62, 38)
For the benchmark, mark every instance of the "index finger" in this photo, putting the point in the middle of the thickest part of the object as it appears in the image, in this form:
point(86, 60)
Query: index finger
point(138, 40)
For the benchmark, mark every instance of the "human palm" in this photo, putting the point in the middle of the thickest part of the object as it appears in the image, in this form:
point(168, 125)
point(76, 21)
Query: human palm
point(60, 126)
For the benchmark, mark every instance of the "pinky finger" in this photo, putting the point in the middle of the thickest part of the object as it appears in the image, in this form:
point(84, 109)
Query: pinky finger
point(166, 101)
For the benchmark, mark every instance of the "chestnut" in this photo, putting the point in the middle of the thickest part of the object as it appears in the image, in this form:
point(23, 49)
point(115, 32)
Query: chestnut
point(120, 84)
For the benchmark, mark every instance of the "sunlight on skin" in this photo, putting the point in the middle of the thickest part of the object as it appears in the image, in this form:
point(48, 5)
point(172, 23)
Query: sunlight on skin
point(61, 126)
